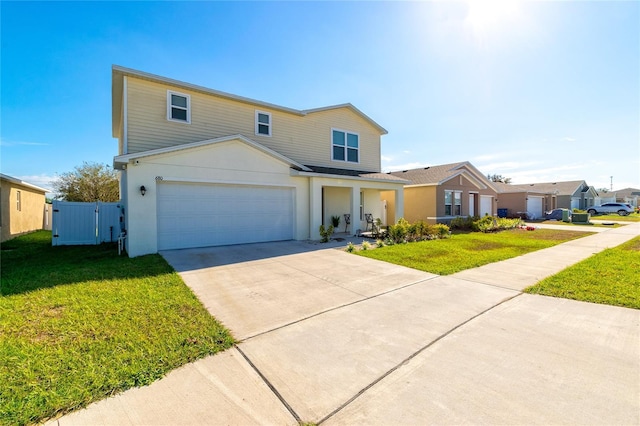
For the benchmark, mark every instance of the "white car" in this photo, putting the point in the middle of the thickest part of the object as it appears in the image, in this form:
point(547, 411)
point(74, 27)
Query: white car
point(620, 208)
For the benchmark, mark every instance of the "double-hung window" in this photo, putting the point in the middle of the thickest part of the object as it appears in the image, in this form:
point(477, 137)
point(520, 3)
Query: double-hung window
point(263, 123)
point(178, 107)
point(452, 203)
point(345, 146)
point(448, 203)
point(457, 203)
point(19, 200)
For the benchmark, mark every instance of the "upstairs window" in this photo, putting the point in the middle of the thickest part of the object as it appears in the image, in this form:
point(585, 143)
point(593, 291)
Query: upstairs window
point(345, 146)
point(263, 123)
point(178, 107)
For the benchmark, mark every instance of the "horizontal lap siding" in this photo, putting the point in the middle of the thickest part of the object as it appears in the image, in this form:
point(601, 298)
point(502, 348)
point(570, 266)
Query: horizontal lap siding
point(305, 139)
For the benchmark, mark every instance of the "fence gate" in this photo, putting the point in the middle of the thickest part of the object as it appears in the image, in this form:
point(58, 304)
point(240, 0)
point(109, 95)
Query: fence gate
point(85, 223)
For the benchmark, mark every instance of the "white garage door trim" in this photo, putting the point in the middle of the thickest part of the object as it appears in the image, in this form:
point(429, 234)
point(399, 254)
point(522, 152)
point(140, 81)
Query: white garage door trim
point(202, 215)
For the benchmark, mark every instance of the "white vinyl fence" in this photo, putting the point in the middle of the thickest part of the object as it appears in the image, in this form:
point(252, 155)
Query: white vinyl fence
point(85, 223)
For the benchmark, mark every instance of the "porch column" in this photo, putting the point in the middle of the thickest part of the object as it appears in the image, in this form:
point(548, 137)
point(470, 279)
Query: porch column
point(399, 204)
point(315, 208)
point(355, 210)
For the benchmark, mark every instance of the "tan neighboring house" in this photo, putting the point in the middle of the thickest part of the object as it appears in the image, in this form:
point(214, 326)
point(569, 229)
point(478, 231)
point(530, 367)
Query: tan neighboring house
point(22, 207)
point(437, 194)
point(537, 198)
point(200, 167)
point(628, 195)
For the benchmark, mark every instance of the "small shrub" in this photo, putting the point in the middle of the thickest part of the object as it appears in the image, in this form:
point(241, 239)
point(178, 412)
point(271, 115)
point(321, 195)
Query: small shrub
point(325, 234)
point(398, 232)
point(380, 243)
point(441, 230)
point(350, 247)
point(335, 221)
point(366, 245)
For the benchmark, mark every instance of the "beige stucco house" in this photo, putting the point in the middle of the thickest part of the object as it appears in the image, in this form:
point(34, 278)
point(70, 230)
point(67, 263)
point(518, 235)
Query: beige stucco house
point(437, 194)
point(22, 207)
point(537, 198)
point(200, 167)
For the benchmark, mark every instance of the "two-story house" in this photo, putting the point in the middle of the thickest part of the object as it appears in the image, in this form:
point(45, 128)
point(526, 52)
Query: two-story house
point(200, 167)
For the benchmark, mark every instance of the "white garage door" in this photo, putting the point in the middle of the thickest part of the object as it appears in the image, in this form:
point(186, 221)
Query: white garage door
point(534, 206)
point(486, 202)
point(201, 215)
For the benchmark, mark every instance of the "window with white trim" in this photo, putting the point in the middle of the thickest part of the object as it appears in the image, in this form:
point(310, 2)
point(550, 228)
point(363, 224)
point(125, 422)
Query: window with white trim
point(263, 123)
point(345, 146)
point(448, 203)
point(19, 200)
point(457, 203)
point(452, 203)
point(178, 107)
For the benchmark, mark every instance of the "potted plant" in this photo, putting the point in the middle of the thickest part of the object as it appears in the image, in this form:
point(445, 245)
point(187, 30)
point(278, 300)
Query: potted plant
point(335, 221)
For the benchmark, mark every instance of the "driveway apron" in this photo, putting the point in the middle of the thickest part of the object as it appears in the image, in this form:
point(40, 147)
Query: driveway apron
point(333, 338)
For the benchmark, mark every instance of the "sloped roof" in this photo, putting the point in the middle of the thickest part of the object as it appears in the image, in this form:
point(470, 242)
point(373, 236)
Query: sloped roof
point(22, 183)
point(627, 192)
point(559, 188)
point(436, 175)
point(118, 72)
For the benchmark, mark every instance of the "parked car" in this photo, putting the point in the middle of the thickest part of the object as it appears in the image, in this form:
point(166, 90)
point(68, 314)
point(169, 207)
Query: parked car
point(620, 208)
point(556, 214)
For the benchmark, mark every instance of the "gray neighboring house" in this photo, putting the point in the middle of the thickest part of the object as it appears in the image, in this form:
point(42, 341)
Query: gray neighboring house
point(537, 198)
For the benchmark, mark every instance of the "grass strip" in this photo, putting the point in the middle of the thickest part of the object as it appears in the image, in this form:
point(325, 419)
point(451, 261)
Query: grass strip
point(81, 323)
point(610, 277)
point(469, 250)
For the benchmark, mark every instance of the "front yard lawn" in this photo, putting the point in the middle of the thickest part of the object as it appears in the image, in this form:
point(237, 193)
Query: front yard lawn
point(464, 251)
point(82, 323)
point(633, 217)
point(611, 277)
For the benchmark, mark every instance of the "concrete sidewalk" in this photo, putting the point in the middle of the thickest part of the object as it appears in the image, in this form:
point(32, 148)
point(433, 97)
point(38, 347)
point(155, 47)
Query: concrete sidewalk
point(334, 338)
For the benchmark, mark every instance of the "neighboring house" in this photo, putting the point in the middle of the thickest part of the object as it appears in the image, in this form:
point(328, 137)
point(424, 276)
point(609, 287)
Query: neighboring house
point(628, 195)
point(437, 194)
point(22, 207)
point(537, 198)
point(221, 169)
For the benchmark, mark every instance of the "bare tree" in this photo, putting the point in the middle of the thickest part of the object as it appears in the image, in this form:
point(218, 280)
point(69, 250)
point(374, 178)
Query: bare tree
point(89, 182)
point(498, 178)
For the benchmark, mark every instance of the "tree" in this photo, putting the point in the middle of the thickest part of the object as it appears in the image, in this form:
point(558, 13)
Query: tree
point(89, 182)
point(499, 178)
point(605, 190)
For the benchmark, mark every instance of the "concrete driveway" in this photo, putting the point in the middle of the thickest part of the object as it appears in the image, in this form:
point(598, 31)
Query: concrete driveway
point(329, 337)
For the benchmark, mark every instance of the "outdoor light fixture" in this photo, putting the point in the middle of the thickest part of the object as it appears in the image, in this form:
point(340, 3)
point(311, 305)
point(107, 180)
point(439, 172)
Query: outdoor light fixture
point(143, 190)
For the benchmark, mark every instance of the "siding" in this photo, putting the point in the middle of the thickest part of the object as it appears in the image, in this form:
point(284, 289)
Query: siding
point(305, 139)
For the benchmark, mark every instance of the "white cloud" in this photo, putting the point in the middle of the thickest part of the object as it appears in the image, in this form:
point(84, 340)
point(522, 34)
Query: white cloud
point(386, 158)
point(568, 139)
point(7, 143)
point(42, 181)
point(406, 152)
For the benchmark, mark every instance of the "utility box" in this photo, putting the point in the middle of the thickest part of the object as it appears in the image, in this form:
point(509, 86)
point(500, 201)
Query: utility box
point(566, 215)
point(581, 217)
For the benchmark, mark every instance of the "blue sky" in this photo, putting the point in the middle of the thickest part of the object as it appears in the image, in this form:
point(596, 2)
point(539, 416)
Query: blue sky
point(535, 91)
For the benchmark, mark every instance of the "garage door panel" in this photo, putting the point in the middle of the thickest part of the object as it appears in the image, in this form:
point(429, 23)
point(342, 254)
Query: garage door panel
point(198, 215)
point(534, 206)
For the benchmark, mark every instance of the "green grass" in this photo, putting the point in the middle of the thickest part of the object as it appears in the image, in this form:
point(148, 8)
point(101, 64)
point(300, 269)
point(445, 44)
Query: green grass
point(600, 225)
point(464, 251)
point(633, 217)
point(82, 323)
point(611, 277)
